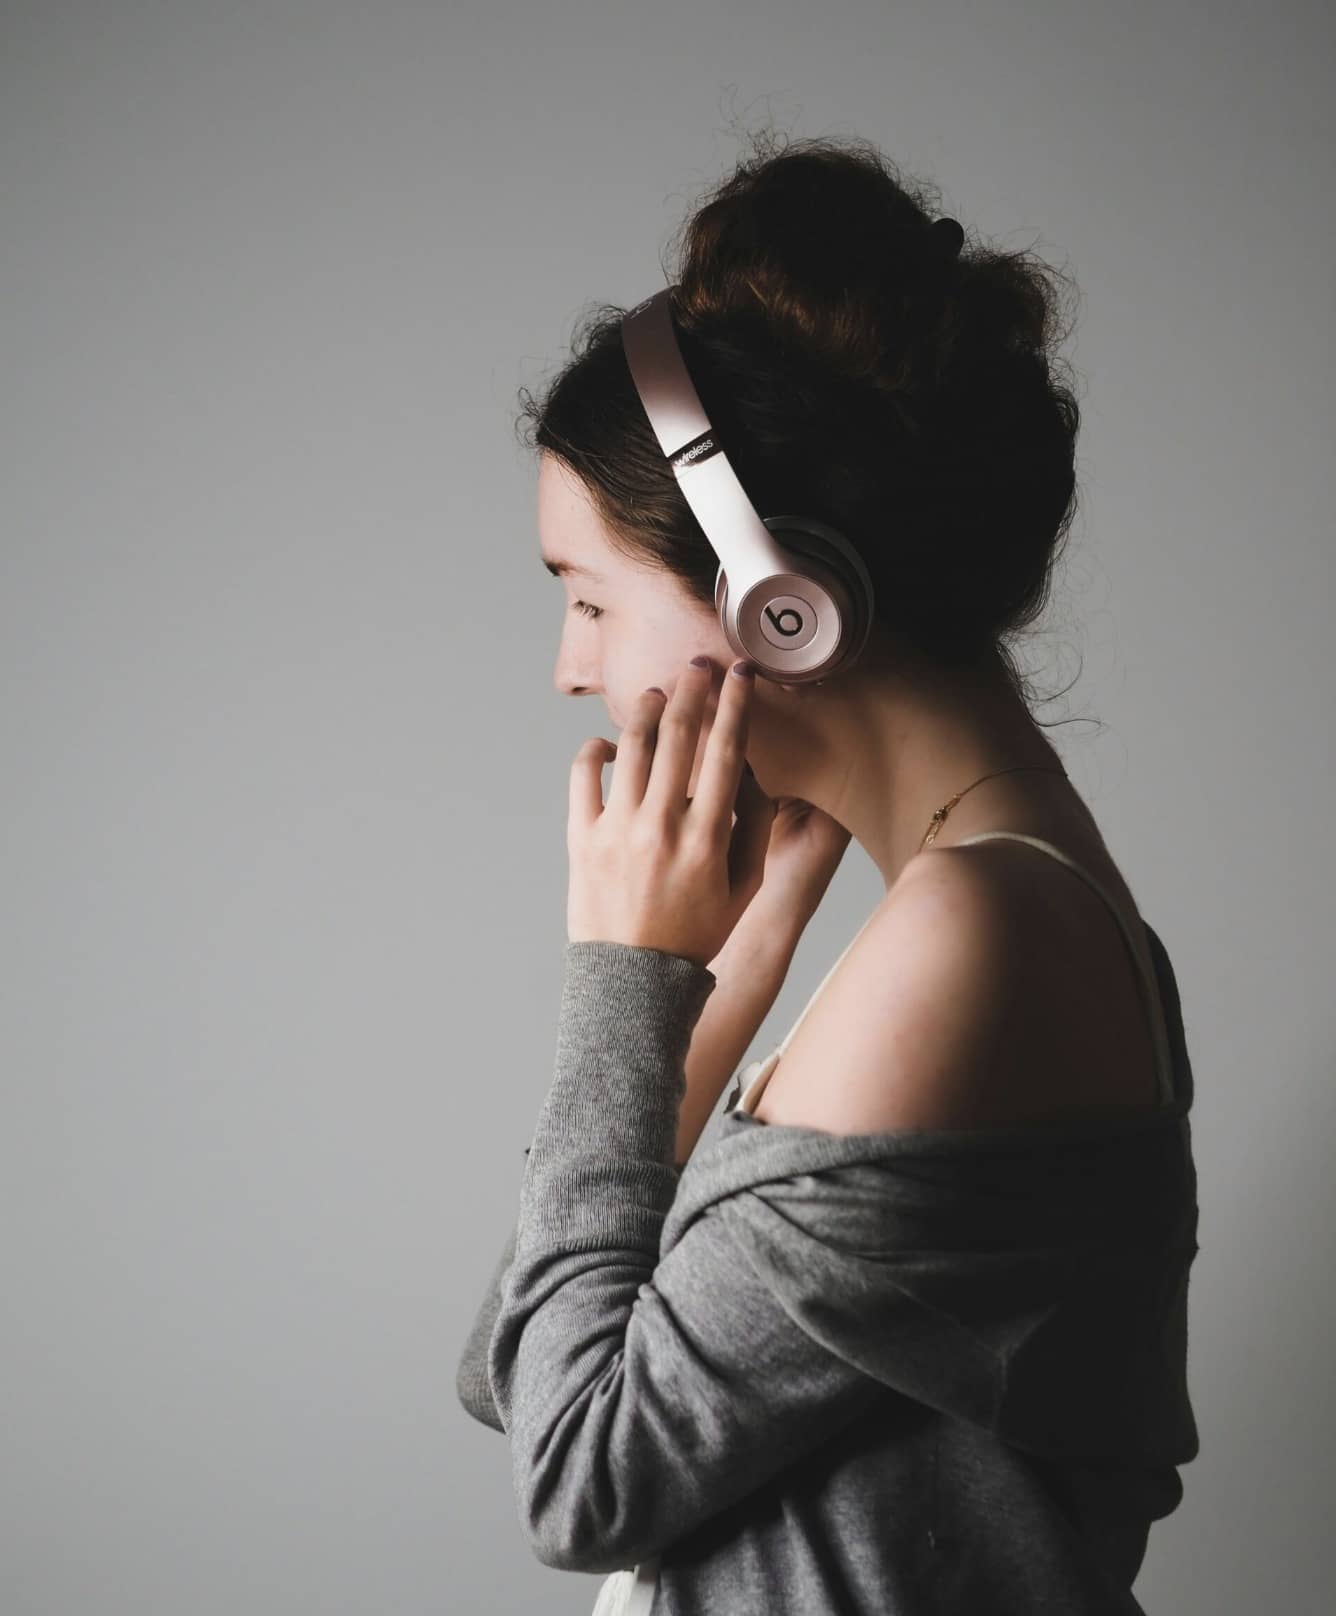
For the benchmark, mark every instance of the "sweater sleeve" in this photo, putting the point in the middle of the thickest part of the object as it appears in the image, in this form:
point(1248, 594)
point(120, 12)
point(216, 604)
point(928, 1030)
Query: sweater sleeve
point(640, 1396)
point(471, 1383)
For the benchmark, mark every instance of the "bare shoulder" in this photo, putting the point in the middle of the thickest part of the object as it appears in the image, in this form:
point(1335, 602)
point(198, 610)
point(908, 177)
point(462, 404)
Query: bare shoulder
point(915, 1028)
point(992, 988)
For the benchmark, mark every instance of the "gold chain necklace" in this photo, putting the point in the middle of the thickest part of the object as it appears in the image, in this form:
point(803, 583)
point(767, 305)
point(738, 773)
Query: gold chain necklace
point(938, 818)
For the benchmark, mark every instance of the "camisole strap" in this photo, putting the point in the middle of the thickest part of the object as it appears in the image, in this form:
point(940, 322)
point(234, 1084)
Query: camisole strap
point(1150, 989)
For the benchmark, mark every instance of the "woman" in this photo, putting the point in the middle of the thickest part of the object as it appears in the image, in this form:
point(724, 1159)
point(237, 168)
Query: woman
point(910, 1333)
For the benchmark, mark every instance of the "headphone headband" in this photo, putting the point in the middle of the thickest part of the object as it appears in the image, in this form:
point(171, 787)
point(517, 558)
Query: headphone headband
point(792, 593)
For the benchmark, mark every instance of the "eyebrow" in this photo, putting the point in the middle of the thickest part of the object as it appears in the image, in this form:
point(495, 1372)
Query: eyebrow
point(558, 568)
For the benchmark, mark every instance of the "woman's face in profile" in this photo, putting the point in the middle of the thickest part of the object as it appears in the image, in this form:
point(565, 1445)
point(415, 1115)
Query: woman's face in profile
point(623, 627)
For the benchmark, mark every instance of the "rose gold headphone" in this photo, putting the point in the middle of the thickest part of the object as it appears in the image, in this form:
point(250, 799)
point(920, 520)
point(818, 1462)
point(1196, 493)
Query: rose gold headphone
point(792, 593)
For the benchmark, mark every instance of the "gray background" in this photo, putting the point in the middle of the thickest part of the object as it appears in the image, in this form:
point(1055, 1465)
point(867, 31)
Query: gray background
point(285, 769)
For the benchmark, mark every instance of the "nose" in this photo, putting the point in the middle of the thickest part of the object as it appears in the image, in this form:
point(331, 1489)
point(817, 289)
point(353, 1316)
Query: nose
point(573, 676)
point(568, 684)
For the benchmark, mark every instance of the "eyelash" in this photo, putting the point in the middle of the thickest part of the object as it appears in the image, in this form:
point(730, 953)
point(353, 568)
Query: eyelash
point(587, 609)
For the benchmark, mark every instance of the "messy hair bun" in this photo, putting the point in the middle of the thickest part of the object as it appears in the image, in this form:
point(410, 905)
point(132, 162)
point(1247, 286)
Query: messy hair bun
point(864, 365)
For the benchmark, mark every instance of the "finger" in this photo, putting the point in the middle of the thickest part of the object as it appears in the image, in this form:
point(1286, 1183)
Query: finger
point(636, 747)
point(679, 736)
point(586, 783)
point(725, 753)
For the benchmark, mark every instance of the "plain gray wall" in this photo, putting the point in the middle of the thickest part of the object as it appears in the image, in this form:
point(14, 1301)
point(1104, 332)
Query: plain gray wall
point(286, 773)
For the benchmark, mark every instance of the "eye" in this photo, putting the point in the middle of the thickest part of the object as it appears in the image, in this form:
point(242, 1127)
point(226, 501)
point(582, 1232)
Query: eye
point(587, 609)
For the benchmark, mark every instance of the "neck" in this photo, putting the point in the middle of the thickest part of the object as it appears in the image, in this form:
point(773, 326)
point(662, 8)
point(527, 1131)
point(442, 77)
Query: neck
point(882, 746)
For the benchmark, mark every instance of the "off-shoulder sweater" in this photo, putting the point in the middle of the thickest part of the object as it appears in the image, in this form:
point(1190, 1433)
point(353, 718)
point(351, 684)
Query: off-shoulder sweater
point(905, 1372)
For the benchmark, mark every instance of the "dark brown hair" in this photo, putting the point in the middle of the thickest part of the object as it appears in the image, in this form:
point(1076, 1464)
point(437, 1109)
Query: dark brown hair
point(924, 413)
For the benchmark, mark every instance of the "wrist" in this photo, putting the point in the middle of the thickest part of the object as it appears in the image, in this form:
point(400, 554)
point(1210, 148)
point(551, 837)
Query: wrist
point(749, 972)
point(762, 943)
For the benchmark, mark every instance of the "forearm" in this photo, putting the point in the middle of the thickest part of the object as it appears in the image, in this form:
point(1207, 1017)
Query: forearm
point(750, 969)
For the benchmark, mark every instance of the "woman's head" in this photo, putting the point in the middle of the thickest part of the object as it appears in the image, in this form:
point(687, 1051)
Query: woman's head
point(921, 412)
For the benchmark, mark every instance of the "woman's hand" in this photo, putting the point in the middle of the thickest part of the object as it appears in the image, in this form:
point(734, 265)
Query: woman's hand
point(654, 868)
point(806, 846)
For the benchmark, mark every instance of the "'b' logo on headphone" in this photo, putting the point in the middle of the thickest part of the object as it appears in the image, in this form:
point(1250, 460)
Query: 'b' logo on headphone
point(788, 622)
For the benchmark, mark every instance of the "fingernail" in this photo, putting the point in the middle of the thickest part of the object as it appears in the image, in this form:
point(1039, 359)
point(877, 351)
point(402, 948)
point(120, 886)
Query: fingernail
point(656, 689)
point(700, 662)
point(745, 670)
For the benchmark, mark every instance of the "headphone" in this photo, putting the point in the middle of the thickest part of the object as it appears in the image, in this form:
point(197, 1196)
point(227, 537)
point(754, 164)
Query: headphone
point(792, 593)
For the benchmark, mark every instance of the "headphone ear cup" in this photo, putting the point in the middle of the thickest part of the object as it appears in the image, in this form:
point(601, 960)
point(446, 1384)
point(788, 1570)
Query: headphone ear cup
point(831, 560)
point(832, 550)
point(824, 551)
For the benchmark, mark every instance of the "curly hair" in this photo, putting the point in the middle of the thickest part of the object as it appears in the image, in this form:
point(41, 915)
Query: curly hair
point(922, 411)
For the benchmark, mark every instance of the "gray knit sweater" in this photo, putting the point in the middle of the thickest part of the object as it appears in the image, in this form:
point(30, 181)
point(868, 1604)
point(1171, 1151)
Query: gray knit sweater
point(907, 1372)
